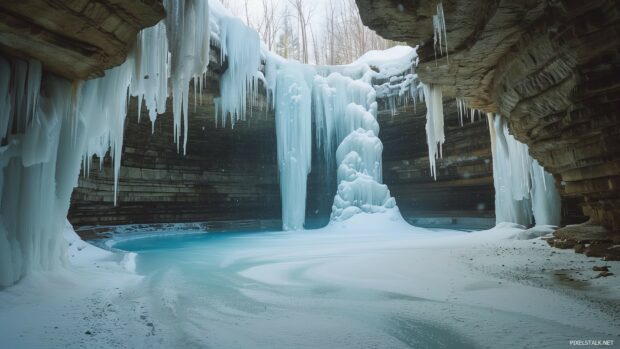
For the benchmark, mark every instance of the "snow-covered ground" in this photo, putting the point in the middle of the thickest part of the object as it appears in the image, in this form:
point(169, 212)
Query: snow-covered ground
point(355, 284)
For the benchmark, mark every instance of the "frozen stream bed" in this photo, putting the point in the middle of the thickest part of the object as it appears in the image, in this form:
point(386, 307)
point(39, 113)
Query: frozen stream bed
point(357, 285)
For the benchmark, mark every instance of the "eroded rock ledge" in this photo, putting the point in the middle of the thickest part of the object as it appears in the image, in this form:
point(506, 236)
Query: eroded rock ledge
point(552, 67)
point(76, 39)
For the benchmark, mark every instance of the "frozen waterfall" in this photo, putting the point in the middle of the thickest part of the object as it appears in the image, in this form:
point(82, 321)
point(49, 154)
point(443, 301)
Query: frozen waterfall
point(50, 126)
point(524, 191)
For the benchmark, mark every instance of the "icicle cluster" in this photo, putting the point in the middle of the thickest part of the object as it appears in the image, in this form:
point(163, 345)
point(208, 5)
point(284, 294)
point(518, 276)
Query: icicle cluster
point(49, 126)
point(240, 47)
point(188, 32)
point(434, 124)
point(524, 191)
point(464, 110)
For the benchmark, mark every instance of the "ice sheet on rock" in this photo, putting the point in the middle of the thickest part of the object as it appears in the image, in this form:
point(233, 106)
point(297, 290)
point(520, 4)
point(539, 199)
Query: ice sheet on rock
point(524, 191)
point(48, 126)
point(38, 170)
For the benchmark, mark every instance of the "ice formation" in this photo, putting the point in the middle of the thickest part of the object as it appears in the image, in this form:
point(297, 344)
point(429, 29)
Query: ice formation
point(434, 124)
point(293, 132)
point(344, 109)
point(440, 37)
point(240, 46)
point(464, 110)
point(49, 126)
point(524, 191)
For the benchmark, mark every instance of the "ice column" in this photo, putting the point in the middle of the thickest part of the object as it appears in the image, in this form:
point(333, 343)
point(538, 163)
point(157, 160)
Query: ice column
point(345, 114)
point(523, 189)
point(294, 142)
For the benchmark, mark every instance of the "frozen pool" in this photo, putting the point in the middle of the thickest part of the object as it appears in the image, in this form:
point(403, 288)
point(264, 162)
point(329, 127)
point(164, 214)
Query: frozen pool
point(205, 282)
point(317, 289)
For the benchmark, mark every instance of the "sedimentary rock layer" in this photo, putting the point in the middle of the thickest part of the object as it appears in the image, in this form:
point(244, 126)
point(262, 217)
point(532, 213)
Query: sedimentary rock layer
point(550, 66)
point(76, 39)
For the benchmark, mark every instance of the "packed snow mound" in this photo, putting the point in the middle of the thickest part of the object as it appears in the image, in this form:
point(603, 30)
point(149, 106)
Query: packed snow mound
point(390, 62)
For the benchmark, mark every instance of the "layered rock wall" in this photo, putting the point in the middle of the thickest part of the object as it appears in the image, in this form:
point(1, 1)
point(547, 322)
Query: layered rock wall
point(75, 39)
point(463, 192)
point(550, 66)
point(229, 177)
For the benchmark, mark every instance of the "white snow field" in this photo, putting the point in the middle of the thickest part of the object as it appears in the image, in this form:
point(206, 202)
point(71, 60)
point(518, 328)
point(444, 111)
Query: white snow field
point(362, 283)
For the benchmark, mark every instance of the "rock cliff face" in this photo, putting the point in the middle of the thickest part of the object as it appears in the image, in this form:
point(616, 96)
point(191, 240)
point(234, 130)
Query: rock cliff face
point(552, 67)
point(463, 192)
point(75, 39)
point(229, 177)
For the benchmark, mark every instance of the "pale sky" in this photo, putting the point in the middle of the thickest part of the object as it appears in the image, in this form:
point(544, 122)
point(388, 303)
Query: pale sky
point(255, 8)
point(317, 21)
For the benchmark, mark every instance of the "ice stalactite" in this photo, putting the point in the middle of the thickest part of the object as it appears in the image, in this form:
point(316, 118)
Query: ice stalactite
point(464, 110)
point(435, 136)
point(188, 31)
point(524, 191)
point(240, 47)
point(150, 76)
point(440, 37)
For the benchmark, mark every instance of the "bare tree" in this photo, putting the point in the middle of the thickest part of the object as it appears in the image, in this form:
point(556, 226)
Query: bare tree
point(287, 44)
point(345, 37)
point(271, 23)
point(303, 13)
point(342, 39)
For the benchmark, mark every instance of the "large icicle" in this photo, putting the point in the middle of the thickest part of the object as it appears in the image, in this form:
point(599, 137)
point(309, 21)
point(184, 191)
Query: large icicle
point(440, 37)
point(187, 27)
point(240, 47)
point(523, 190)
point(434, 124)
point(294, 132)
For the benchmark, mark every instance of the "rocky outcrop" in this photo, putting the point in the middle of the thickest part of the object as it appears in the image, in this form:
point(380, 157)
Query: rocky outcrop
point(463, 193)
point(228, 178)
point(552, 67)
point(75, 39)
